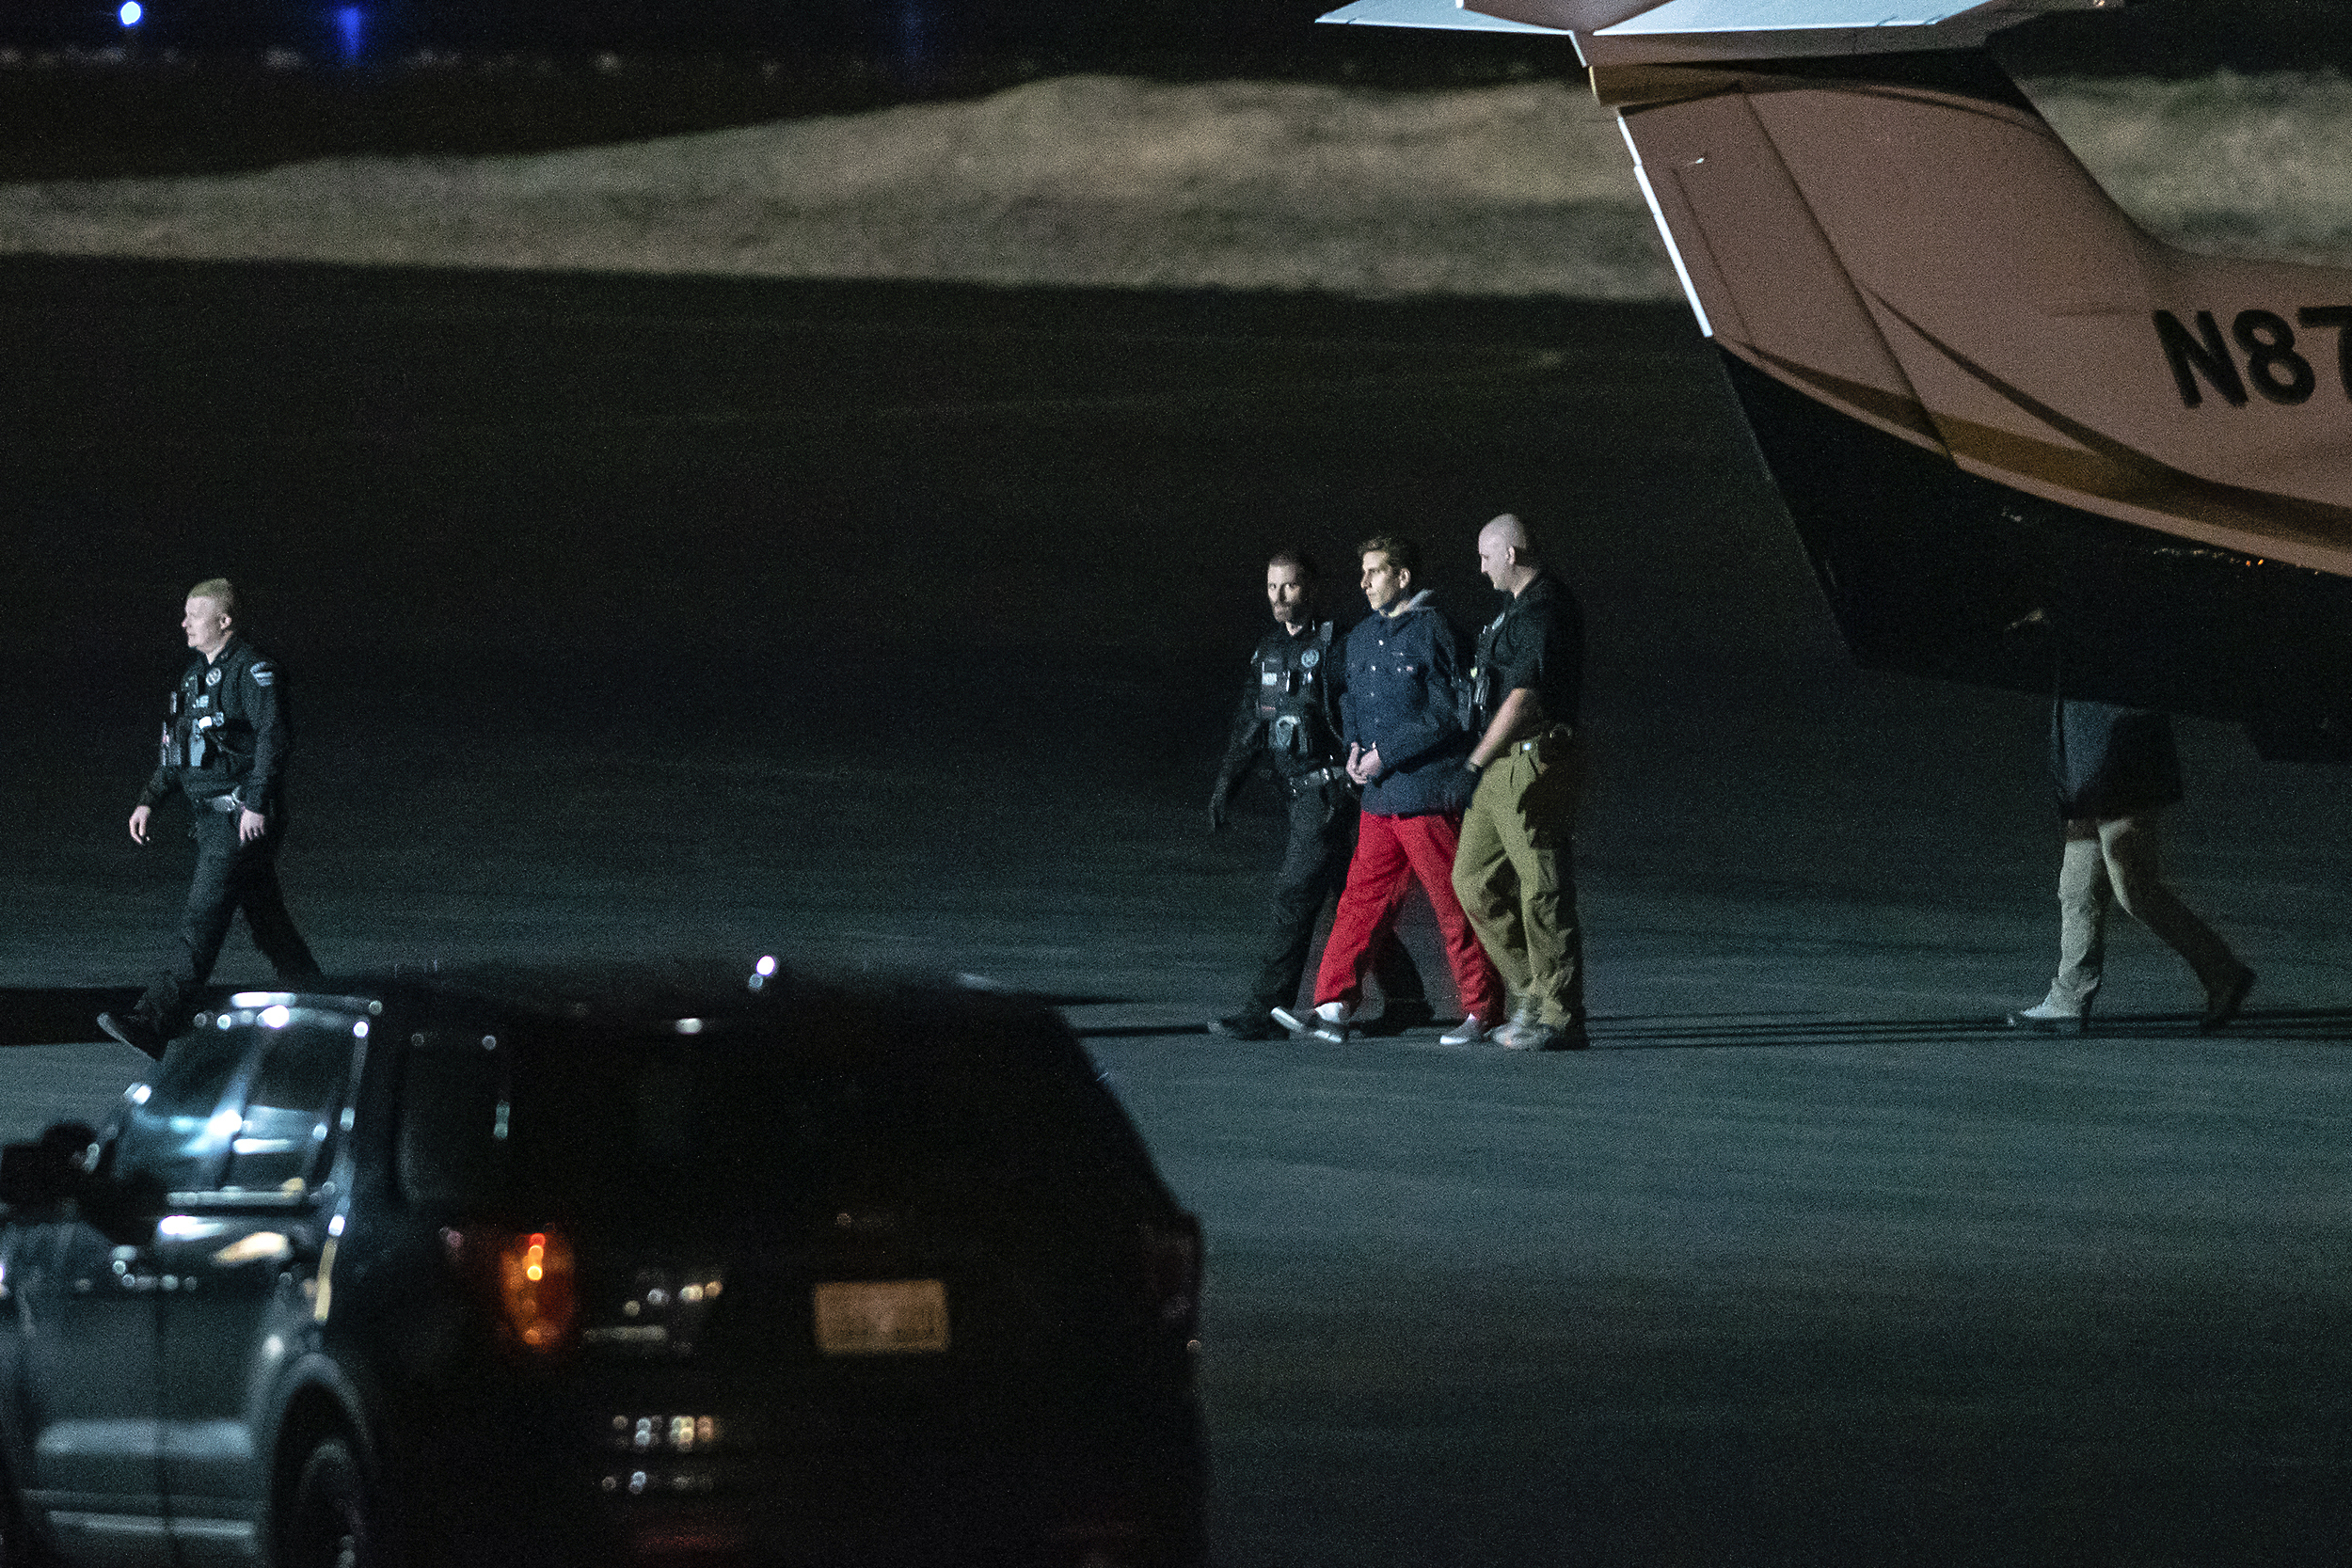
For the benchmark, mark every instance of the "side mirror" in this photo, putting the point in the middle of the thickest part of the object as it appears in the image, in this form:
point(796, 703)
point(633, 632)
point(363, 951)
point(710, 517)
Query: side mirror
point(44, 1174)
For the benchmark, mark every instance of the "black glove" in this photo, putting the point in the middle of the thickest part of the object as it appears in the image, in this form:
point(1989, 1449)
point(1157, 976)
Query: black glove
point(1219, 817)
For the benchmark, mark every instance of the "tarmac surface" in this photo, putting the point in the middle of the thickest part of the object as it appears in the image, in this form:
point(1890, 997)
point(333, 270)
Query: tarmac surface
point(897, 628)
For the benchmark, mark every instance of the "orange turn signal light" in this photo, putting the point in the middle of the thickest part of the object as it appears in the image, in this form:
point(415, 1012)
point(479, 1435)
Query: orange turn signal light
point(536, 1288)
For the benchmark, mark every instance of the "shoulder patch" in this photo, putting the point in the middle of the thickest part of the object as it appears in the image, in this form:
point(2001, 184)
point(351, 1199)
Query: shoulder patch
point(265, 673)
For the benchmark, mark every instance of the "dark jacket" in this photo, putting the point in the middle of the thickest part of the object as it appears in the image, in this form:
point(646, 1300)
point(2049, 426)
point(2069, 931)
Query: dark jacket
point(226, 733)
point(1289, 716)
point(1405, 678)
point(2111, 761)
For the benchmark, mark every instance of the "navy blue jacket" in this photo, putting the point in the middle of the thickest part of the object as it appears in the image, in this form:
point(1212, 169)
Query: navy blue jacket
point(1406, 674)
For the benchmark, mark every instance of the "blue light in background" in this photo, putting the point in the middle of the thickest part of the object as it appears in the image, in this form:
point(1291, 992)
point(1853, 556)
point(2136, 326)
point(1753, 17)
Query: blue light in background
point(349, 23)
point(914, 32)
point(131, 13)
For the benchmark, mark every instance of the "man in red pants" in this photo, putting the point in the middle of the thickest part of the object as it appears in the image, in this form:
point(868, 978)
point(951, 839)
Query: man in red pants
point(1402, 719)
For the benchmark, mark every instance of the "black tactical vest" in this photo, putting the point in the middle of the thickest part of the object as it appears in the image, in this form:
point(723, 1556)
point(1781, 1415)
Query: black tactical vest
point(1294, 699)
point(199, 732)
point(1479, 699)
point(192, 732)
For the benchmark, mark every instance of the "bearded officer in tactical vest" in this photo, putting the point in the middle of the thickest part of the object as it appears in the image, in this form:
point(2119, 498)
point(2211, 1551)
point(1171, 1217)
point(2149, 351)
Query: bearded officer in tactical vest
point(1289, 721)
point(225, 742)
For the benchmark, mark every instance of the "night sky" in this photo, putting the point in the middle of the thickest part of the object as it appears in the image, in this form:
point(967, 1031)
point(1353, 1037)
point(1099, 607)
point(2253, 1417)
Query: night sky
point(2157, 35)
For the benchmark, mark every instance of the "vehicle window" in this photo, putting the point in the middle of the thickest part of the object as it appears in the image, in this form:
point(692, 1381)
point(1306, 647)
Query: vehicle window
point(289, 1111)
point(182, 1130)
point(720, 1126)
point(450, 1147)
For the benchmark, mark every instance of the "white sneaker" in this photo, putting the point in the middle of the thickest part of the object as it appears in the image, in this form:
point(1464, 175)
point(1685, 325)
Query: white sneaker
point(1468, 1032)
point(1507, 1032)
point(1328, 1023)
point(2052, 1018)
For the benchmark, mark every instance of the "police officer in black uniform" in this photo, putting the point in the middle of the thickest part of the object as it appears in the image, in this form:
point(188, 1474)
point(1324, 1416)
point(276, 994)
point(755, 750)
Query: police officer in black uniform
point(224, 747)
point(1289, 721)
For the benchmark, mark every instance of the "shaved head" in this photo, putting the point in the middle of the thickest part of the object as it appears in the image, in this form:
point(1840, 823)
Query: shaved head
point(1507, 531)
point(1506, 553)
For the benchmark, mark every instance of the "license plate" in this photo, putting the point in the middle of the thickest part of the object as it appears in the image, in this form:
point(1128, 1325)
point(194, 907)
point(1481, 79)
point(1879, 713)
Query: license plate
point(882, 1317)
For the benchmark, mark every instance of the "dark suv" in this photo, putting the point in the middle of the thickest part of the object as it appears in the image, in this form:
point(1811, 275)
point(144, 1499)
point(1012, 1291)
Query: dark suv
point(526, 1270)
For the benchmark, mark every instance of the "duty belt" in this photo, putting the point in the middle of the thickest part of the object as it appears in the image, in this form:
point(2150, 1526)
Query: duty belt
point(1558, 732)
point(1319, 777)
point(224, 802)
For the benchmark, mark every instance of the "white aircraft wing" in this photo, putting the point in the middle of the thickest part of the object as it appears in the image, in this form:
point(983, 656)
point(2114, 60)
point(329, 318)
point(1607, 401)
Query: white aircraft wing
point(1429, 13)
point(1643, 32)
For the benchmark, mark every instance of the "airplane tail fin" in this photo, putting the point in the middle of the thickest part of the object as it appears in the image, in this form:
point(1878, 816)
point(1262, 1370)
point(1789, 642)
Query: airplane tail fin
point(1981, 388)
point(1984, 390)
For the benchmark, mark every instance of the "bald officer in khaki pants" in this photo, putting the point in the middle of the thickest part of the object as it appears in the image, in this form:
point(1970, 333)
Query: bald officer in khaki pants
point(1515, 871)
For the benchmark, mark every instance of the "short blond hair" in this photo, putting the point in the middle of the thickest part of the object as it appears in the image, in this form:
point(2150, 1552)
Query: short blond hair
point(221, 592)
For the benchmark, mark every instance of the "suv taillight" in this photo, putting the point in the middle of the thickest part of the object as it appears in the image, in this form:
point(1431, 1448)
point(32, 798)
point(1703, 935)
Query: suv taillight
point(538, 1294)
point(1172, 1273)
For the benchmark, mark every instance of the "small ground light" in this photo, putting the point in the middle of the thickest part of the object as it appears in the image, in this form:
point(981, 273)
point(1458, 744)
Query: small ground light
point(131, 13)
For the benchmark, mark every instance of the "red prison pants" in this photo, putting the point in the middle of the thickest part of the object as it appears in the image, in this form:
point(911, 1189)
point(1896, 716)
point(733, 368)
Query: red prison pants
point(1392, 852)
